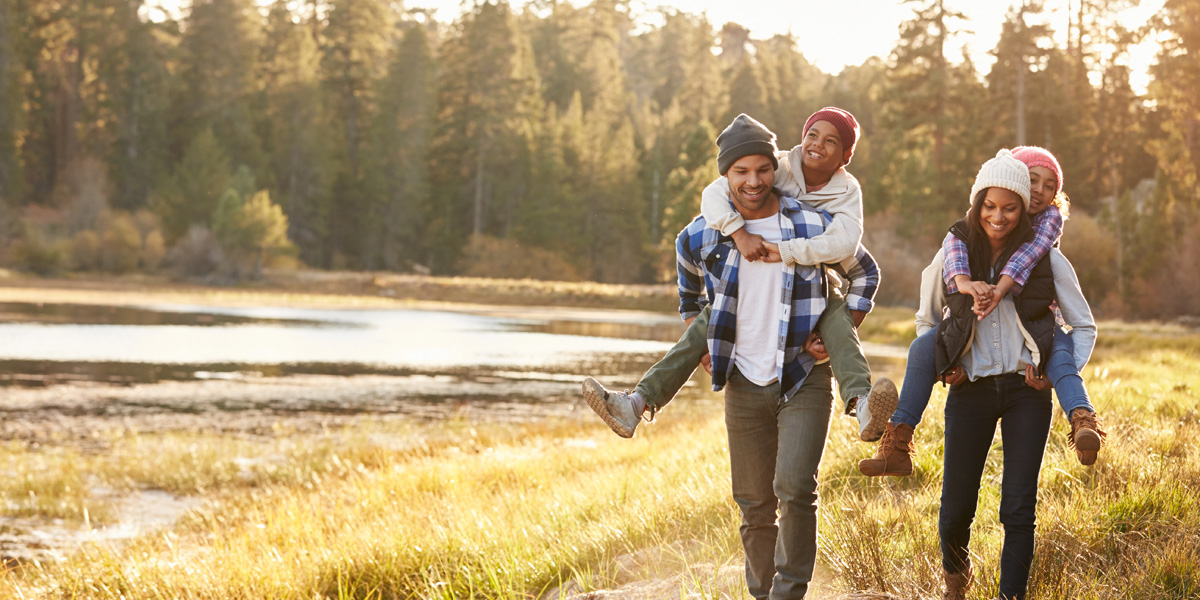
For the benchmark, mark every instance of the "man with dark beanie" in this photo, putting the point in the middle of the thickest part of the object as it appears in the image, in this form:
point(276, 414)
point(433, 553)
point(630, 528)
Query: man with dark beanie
point(764, 356)
point(814, 173)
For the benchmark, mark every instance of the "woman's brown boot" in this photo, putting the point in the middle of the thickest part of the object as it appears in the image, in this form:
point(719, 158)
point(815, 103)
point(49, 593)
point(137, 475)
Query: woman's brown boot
point(956, 585)
point(894, 454)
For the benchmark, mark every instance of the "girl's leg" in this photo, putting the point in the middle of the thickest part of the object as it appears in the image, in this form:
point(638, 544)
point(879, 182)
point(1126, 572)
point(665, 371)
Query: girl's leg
point(920, 375)
point(1068, 385)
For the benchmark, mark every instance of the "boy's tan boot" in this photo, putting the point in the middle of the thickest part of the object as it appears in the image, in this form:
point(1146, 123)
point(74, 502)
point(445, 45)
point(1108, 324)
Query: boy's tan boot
point(894, 454)
point(1086, 435)
point(956, 585)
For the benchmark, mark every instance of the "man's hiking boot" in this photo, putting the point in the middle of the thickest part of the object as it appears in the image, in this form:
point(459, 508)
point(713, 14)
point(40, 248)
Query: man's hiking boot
point(1086, 435)
point(874, 409)
point(616, 408)
point(956, 585)
point(894, 455)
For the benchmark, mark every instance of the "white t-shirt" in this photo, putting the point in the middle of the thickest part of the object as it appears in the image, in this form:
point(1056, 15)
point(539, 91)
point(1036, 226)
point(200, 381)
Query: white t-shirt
point(760, 289)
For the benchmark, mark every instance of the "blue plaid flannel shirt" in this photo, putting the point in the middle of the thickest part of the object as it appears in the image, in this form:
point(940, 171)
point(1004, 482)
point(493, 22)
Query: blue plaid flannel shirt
point(708, 270)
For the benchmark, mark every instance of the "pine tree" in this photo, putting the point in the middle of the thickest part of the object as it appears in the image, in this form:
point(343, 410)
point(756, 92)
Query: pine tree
point(1019, 55)
point(917, 114)
point(11, 96)
point(137, 101)
point(219, 53)
point(488, 102)
point(296, 131)
point(400, 149)
point(354, 60)
point(190, 195)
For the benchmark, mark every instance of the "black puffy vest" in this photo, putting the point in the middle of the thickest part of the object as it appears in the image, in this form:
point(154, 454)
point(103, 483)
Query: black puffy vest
point(955, 331)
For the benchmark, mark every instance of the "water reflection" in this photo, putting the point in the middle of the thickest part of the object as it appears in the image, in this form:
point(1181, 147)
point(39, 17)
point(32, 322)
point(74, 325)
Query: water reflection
point(51, 343)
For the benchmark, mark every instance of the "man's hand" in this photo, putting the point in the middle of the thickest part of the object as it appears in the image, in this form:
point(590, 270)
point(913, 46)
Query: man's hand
point(816, 347)
point(751, 245)
point(956, 376)
point(706, 362)
point(1035, 381)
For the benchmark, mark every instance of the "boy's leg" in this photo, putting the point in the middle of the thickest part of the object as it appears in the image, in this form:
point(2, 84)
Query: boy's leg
point(660, 384)
point(623, 411)
point(873, 404)
point(850, 366)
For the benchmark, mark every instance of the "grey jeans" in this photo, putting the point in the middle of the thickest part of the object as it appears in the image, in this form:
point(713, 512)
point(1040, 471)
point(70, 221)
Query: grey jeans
point(774, 450)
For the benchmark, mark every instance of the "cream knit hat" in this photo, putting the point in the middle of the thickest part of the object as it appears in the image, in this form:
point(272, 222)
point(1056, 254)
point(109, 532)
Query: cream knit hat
point(1003, 171)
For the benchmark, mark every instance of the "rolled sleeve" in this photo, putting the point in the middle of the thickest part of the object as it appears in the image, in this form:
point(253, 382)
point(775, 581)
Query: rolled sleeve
point(1074, 307)
point(862, 272)
point(956, 262)
point(1046, 230)
point(691, 278)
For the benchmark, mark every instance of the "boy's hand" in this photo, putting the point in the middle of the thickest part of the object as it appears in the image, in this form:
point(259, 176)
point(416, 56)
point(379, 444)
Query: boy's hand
point(751, 245)
point(706, 362)
point(773, 255)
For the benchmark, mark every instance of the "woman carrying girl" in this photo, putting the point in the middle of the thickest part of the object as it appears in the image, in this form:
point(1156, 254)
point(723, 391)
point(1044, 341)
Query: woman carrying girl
point(992, 359)
point(1048, 208)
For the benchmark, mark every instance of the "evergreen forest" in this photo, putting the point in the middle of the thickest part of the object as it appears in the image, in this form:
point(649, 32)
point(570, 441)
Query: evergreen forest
point(559, 140)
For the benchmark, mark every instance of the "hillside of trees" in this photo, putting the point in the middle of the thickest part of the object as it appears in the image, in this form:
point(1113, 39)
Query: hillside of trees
point(557, 141)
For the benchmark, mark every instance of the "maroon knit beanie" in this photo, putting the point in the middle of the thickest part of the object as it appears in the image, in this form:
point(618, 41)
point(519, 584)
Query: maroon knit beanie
point(1034, 156)
point(841, 120)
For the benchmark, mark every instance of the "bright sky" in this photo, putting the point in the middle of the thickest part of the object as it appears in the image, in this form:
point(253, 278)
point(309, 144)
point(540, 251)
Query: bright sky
point(836, 33)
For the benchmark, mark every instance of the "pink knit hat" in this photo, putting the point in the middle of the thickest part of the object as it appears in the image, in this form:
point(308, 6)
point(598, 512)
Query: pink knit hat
point(1033, 156)
point(841, 120)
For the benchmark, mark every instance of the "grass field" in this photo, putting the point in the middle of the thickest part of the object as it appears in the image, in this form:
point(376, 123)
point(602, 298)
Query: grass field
point(463, 509)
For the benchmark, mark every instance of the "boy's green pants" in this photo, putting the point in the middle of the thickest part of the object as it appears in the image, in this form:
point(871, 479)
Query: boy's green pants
point(660, 384)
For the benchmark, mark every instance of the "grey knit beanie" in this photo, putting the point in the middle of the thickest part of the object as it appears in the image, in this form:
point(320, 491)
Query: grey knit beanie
point(1003, 171)
point(744, 137)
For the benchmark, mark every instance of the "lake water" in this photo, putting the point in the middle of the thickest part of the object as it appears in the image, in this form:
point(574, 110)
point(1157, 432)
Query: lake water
point(343, 341)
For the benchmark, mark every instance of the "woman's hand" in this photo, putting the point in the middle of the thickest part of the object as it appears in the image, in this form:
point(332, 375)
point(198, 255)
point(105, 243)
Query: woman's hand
point(1035, 381)
point(751, 245)
point(706, 362)
point(956, 376)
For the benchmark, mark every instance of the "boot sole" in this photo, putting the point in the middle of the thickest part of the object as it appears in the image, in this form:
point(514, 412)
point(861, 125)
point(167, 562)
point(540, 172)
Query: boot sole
point(873, 472)
point(881, 403)
point(596, 398)
point(1087, 444)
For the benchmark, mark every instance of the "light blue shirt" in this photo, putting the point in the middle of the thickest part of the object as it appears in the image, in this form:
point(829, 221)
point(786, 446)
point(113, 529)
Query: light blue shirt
point(1000, 344)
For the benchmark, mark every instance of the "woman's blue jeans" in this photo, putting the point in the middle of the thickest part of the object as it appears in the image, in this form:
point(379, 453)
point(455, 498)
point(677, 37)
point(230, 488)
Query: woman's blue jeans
point(972, 410)
point(920, 376)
